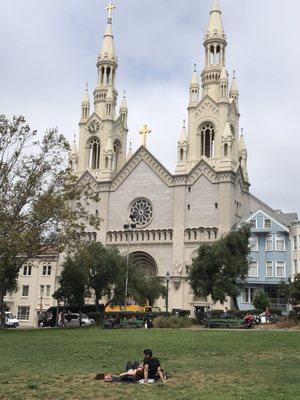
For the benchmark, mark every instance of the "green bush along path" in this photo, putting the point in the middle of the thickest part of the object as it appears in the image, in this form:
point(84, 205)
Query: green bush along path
point(206, 365)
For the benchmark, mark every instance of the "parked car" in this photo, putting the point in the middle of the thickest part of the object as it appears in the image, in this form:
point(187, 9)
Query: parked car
point(72, 319)
point(10, 320)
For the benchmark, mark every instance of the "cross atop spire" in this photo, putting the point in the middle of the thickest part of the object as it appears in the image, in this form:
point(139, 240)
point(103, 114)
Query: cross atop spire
point(110, 8)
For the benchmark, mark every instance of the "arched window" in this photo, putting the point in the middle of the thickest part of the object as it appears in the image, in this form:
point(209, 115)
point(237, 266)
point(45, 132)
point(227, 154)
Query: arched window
point(181, 155)
point(102, 75)
point(211, 55)
point(218, 55)
point(225, 150)
point(207, 134)
point(94, 153)
point(108, 75)
point(117, 151)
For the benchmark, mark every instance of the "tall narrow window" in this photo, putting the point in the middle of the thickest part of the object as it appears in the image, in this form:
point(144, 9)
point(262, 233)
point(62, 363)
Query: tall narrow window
point(181, 155)
point(269, 243)
point(253, 269)
point(225, 150)
point(280, 269)
point(108, 75)
point(25, 290)
point(207, 134)
point(94, 153)
point(280, 244)
point(117, 150)
point(269, 269)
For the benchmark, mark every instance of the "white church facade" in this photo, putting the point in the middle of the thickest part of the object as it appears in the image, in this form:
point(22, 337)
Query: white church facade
point(175, 212)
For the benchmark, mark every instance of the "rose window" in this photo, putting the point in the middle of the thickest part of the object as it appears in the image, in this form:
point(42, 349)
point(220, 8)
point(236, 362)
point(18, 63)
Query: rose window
point(141, 212)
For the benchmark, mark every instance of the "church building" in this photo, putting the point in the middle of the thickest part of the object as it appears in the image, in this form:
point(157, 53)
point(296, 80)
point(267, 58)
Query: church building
point(173, 212)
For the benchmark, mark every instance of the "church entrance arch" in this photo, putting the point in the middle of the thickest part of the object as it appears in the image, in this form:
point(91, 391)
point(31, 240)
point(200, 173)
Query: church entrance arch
point(145, 261)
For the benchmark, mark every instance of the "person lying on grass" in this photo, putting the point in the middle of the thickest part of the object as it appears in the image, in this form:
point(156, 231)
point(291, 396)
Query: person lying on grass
point(148, 372)
point(133, 373)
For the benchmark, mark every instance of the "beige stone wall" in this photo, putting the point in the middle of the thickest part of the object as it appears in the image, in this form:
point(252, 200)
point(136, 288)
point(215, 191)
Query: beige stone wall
point(202, 197)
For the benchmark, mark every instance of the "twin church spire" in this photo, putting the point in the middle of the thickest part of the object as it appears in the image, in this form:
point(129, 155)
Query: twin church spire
point(213, 113)
point(103, 133)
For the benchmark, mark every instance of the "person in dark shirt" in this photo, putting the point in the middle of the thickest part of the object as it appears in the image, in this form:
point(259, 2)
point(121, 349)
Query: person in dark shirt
point(152, 368)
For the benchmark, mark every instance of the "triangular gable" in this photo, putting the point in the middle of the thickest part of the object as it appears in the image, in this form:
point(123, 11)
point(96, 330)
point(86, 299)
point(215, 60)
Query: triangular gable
point(86, 176)
point(201, 168)
point(269, 216)
point(207, 105)
point(94, 115)
point(142, 154)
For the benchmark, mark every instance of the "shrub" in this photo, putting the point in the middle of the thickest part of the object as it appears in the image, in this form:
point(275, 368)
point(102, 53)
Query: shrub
point(172, 322)
point(261, 300)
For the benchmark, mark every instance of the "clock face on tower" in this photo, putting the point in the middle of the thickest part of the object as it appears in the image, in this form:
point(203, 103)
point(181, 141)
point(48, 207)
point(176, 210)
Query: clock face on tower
point(93, 127)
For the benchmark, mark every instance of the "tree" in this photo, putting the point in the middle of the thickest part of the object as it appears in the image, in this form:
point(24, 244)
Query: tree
point(74, 285)
point(148, 288)
point(106, 270)
point(290, 290)
point(40, 205)
point(220, 268)
point(261, 300)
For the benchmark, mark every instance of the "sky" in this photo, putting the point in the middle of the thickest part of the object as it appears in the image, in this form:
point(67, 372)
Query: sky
point(49, 48)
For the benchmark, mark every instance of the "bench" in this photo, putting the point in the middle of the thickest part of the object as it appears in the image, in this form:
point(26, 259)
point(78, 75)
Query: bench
point(226, 323)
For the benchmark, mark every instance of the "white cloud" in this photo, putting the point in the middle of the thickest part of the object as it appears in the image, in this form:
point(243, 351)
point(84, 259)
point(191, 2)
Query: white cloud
point(48, 50)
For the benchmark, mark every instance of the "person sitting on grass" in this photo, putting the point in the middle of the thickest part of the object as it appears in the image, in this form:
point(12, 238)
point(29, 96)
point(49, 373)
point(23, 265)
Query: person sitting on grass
point(152, 369)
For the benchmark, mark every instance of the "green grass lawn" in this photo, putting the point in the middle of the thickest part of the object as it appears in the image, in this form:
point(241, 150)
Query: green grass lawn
point(208, 365)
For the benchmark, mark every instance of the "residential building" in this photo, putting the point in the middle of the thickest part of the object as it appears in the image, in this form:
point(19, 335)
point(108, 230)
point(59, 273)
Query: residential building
point(38, 280)
point(270, 259)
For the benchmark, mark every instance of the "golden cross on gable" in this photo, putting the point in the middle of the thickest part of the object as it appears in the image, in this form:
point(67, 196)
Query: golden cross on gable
point(110, 8)
point(144, 132)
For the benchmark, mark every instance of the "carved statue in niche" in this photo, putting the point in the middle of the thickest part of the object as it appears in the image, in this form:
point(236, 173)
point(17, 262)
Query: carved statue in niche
point(177, 269)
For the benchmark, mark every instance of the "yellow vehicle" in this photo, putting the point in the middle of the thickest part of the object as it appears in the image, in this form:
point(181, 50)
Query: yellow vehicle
point(129, 308)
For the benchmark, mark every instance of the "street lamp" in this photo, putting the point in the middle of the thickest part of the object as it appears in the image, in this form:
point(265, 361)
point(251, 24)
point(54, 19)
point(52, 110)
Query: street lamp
point(127, 228)
point(167, 296)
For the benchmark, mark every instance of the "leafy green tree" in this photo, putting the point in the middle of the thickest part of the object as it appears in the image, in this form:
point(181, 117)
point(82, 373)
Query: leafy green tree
point(261, 300)
point(220, 268)
point(290, 290)
point(74, 285)
point(106, 270)
point(148, 288)
point(40, 206)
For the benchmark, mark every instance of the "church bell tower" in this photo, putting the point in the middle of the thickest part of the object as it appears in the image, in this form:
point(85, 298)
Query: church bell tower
point(213, 114)
point(103, 133)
